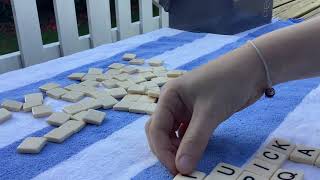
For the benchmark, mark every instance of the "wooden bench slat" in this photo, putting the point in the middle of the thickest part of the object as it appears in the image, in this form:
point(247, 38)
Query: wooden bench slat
point(296, 8)
point(277, 3)
point(312, 14)
point(28, 31)
point(99, 20)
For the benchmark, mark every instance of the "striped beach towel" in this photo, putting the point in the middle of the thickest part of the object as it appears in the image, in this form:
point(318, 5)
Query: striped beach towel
point(118, 149)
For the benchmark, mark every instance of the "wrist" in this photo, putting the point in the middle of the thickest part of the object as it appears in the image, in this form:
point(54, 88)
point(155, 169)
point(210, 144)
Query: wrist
point(254, 71)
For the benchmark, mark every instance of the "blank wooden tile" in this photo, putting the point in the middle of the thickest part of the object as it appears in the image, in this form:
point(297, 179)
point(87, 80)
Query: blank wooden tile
point(159, 68)
point(27, 107)
point(155, 62)
point(111, 72)
point(34, 99)
point(94, 117)
point(95, 71)
point(160, 73)
point(224, 171)
point(12, 105)
point(129, 56)
point(149, 84)
point(73, 96)
point(153, 93)
point(136, 62)
point(32, 145)
point(58, 135)
point(153, 88)
point(121, 77)
point(118, 92)
point(110, 83)
point(58, 118)
point(123, 106)
point(174, 73)
point(90, 83)
point(151, 108)
point(90, 103)
point(304, 154)
point(129, 69)
point(76, 76)
point(261, 168)
point(245, 175)
point(138, 107)
point(98, 94)
point(49, 86)
point(125, 84)
point(79, 116)
point(116, 66)
point(103, 77)
point(272, 157)
point(4, 115)
point(160, 81)
point(318, 162)
point(137, 79)
point(283, 174)
point(131, 97)
point(87, 90)
point(137, 89)
point(143, 69)
point(74, 108)
point(147, 99)
point(73, 125)
point(56, 93)
point(281, 145)
point(41, 111)
point(108, 102)
point(194, 176)
point(89, 77)
point(148, 75)
point(72, 87)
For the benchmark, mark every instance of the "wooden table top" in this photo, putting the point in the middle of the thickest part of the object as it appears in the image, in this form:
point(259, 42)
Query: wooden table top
point(305, 9)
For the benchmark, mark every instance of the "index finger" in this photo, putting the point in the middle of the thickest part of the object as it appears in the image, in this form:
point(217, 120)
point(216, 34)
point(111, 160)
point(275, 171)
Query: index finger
point(162, 128)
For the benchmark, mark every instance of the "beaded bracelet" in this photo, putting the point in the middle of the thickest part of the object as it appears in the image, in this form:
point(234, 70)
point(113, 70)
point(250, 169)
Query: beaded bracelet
point(269, 91)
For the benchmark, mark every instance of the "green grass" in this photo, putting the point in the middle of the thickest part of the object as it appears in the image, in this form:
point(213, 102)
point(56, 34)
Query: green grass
point(8, 44)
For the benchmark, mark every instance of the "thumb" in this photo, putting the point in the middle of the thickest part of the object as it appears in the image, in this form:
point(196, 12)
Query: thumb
point(195, 140)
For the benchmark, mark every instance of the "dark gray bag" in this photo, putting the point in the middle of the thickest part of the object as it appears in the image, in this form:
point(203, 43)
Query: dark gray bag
point(218, 16)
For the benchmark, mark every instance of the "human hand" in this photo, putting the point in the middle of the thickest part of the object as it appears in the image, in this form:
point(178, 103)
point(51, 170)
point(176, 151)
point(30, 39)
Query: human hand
point(196, 103)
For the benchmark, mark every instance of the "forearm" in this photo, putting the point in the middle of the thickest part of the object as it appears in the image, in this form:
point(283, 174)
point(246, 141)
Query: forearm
point(292, 53)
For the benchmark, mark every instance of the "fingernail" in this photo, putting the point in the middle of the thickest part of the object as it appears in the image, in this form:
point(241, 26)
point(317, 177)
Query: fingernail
point(185, 161)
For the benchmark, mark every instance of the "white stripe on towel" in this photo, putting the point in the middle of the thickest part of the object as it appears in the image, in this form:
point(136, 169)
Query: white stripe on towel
point(120, 156)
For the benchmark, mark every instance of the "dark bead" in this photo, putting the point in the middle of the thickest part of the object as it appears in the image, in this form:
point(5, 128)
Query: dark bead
point(270, 92)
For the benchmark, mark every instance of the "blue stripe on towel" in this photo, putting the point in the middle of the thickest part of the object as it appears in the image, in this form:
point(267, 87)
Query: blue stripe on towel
point(146, 51)
point(237, 139)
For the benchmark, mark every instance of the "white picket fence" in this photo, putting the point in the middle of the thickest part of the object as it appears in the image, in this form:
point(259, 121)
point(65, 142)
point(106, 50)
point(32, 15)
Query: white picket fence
point(31, 48)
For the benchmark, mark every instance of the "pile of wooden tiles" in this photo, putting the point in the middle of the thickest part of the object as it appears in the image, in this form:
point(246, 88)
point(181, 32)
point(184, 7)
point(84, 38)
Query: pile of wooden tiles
point(132, 88)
